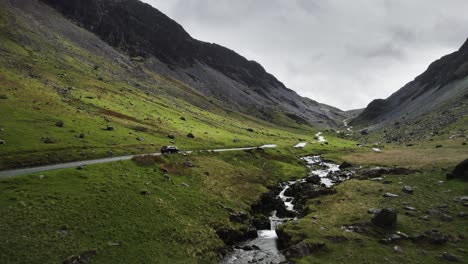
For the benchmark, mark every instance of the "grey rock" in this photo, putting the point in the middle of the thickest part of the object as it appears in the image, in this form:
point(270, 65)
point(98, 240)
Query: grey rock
point(407, 189)
point(449, 257)
point(446, 218)
point(377, 179)
point(140, 139)
point(390, 195)
point(2, 142)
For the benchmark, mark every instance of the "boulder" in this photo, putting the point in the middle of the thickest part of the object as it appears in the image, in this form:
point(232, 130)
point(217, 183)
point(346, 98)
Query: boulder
point(386, 218)
point(190, 135)
point(2, 142)
point(171, 136)
point(250, 130)
point(314, 179)
point(303, 249)
point(183, 118)
point(460, 171)
point(345, 165)
point(140, 139)
point(109, 128)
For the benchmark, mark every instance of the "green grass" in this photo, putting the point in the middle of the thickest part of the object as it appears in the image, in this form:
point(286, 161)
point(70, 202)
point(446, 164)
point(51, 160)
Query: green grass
point(102, 204)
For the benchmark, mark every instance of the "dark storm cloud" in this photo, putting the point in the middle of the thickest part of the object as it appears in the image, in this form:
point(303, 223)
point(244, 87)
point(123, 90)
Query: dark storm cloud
point(339, 52)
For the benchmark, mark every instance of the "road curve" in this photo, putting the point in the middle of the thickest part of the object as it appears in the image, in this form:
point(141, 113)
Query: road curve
point(18, 172)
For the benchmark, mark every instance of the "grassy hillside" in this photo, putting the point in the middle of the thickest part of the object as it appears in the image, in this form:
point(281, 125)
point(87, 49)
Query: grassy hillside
point(327, 220)
point(48, 78)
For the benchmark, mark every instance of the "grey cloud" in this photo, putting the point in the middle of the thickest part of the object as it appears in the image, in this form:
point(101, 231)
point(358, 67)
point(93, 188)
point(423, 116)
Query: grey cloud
point(343, 53)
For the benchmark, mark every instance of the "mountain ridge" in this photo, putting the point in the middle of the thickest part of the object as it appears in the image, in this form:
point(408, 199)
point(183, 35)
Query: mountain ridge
point(141, 30)
point(440, 88)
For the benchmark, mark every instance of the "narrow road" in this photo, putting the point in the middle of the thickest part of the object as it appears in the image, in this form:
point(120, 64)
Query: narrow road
point(18, 172)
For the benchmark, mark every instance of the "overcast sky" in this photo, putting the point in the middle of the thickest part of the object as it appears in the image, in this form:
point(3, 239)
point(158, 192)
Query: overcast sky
point(339, 52)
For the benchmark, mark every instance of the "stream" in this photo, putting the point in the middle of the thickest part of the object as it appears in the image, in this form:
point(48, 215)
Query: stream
point(263, 249)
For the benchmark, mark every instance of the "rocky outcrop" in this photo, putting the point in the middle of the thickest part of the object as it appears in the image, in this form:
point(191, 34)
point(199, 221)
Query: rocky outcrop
point(460, 171)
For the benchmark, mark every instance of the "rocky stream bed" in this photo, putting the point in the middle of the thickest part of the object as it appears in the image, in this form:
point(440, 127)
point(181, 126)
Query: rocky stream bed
point(285, 203)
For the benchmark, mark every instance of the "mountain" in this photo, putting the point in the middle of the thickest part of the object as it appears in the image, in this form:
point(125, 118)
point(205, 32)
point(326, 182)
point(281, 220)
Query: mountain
point(144, 33)
point(436, 98)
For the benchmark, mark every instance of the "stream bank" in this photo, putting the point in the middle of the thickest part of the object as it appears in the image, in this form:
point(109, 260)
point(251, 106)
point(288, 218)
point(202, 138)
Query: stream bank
point(285, 202)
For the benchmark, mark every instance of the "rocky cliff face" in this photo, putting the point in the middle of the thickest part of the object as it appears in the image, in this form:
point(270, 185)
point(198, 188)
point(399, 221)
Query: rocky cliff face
point(441, 88)
point(140, 30)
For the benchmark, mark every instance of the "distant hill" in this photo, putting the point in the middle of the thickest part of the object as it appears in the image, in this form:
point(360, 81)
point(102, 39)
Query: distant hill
point(436, 98)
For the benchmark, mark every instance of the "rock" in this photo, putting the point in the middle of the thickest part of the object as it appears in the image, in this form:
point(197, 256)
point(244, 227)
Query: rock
point(409, 208)
point(190, 135)
point(166, 177)
point(171, 136)
point(377, 179)
point(364, 132)
point(239, 217)
point(59, 124)
point(2, 142)
point(80, 167)
point(185, 184)
point(140, 139)
point(446, 218)
point(250, 129)
point(80, 136)
point(426, 218)
point(460, 171)
point(435, 237)
point(345, 165)
point(438, 146)
point(303, 249)
point(110, 153)
point(314, 179)
point(113, 244)
point(442, 206)
point(183, 118)
point(387, 182)
point(386, 218)
point(407, 189)
point(462, 214)
point(84, 257)
point(109, 128)
point(433, 212)
point(189, 164)
point(232, 236)
point(397, 249)
point(249, 248)
point(450, 257)
point(390, 195)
